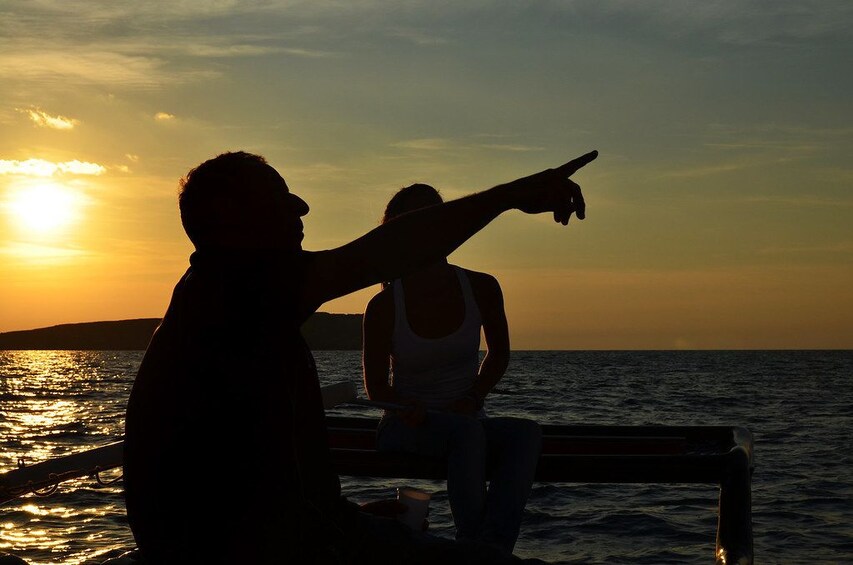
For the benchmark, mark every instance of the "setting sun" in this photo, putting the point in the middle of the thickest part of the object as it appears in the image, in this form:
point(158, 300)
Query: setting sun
point(45, 207)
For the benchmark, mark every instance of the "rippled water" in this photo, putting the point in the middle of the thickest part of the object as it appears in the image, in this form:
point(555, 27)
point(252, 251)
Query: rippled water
point(798, 405)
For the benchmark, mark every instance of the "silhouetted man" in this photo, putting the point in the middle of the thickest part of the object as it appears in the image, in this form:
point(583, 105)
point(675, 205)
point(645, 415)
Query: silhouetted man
point(226, 453)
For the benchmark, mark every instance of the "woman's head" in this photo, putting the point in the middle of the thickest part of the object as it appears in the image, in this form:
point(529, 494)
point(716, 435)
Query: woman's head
point(409, 199)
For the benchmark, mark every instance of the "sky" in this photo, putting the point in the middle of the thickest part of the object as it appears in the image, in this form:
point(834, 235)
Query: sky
point(719, 210)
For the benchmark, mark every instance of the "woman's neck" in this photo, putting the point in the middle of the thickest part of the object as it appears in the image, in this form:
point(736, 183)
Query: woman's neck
point(433, 271)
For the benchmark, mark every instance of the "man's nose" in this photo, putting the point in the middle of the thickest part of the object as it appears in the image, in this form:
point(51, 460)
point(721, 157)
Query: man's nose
point(298, 205)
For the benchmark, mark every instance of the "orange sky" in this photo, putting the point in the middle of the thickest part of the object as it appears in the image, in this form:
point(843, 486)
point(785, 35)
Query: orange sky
point(719, 209)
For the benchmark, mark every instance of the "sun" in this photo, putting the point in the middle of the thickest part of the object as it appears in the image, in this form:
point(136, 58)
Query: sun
point(45, 208)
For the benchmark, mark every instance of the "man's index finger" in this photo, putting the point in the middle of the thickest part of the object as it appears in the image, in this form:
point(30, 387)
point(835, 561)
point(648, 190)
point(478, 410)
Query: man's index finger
point(572, 166)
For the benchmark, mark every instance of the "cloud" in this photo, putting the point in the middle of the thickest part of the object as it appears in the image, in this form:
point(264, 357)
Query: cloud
point(739, 147)
point(244, 50)
point(85, 65)
point(309, 53)
point(419, 37)
point(81, 168)
point(511, 147)
point(43, 168)
point(775, 134)
point(704, 171)
point(228, 28)
point(40, 253)
point(248, 50)
point(745, 23)
point(424, 144)
point(438, 144)
point(164, 117)
point(43, 119)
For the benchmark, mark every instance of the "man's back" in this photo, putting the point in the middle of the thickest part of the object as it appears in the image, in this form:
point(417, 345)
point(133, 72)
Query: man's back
point(226, 446)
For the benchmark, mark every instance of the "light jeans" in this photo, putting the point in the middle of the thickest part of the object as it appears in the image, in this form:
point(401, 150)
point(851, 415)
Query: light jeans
point(508, 447)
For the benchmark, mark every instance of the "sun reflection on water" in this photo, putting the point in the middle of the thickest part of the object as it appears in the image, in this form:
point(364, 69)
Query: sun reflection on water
point(55, 403)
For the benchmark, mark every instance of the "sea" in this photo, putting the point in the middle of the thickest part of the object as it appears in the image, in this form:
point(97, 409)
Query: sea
point(797, 404)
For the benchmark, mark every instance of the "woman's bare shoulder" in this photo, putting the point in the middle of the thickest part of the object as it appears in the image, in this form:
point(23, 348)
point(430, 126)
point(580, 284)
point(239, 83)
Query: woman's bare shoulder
point(480, 278)
point(382, 302)
point(484, 285)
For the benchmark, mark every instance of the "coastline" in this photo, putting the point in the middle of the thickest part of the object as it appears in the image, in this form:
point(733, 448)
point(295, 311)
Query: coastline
point(322, 331)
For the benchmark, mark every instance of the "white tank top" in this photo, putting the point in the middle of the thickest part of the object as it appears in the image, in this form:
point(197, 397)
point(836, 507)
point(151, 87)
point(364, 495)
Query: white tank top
point(441, 370)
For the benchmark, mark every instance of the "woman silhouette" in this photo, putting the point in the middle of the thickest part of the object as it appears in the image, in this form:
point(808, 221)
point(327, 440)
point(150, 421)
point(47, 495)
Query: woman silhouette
point(421, 348)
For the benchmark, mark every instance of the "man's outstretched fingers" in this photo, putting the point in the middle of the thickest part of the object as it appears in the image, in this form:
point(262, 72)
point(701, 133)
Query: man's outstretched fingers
point(579, 203)
point(563, 212)
point(572, 166)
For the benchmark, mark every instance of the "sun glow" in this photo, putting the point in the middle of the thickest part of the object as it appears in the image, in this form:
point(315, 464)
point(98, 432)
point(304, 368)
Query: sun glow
point(45, 208)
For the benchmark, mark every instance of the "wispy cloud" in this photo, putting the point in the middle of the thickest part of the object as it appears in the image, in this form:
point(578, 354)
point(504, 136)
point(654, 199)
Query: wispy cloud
point(419, 37)
point(238, 50)
point(41, 254)
point(443, 144)
point(704, 170)
point(303, 52)
point(86, 65)
point(44, 168)
point(424, 144)
point(150, 44)
point(775, 136)
point(240, 29)
point(164, 117)
point(730, 147)
point(511, 147)
point(745, 23)
point(225, 50)
point(43, 119)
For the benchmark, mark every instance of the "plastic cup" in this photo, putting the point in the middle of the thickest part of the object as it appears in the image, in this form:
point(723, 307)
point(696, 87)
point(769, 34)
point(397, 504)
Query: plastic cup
point(417, 502)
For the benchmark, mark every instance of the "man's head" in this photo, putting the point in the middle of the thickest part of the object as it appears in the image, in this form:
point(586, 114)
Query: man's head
point(237, 201)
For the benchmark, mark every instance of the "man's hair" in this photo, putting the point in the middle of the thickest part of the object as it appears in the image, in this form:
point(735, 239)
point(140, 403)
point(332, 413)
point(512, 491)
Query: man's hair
point(224, 175)
point(411, 198)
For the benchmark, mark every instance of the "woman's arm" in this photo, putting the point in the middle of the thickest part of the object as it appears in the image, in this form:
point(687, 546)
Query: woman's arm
point(377, 332)
point(487, 293)
point(496, 333)
point(412, 240)
point(377, 326)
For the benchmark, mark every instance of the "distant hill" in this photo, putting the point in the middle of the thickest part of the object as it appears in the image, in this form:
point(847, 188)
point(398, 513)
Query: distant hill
point(333, 331)
point(321, 331)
